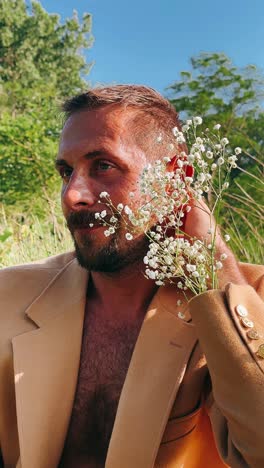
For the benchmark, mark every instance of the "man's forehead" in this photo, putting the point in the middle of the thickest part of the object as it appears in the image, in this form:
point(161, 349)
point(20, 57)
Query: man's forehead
point(108, 120)
point(99, 129)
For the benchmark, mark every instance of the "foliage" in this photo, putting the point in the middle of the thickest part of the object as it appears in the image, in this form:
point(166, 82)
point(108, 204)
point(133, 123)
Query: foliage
point(41, 62)
point(224, 94)
point(27, 161)
point(242, 214)
point(40, 57)
point(31, 239)
point(232, 97)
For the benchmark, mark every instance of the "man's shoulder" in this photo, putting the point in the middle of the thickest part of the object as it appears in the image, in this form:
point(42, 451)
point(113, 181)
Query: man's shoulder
point(56, 262)
point(253, 273)
point(21, 283)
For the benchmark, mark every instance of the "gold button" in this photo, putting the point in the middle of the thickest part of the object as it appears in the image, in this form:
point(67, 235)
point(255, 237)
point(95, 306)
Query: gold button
point(260, 351)
point(247, 323)
point(241, 310)
point(253, 334)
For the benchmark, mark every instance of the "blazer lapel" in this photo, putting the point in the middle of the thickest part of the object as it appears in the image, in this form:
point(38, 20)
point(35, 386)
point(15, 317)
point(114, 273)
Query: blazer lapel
point(156, 370)
point(46, 364)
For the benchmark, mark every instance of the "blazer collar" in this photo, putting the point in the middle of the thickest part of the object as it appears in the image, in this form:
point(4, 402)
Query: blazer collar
point(46, 364)
point(155, 373)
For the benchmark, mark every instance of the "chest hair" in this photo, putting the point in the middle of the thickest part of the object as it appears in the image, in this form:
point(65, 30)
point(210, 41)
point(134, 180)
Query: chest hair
point(105, 357)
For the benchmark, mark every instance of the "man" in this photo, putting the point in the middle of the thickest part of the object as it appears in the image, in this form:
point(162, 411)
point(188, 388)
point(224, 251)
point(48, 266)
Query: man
point(96, 367)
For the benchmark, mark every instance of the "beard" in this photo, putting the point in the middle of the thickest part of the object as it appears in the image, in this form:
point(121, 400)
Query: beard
point(115, 255)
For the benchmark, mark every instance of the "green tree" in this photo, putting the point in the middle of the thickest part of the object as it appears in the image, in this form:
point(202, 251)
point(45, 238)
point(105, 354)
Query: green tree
point(41, 62)
point(223, 93)
point(233, 97)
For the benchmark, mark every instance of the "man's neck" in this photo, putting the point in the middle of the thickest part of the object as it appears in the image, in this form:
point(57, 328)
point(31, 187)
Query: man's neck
point(123, 295)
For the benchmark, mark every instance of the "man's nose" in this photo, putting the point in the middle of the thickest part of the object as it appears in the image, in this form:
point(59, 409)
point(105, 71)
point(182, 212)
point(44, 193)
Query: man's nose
point(78, 193)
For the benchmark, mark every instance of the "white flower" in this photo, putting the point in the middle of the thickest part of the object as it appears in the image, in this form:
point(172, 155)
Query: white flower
point(210, 231)
point(91, 225)
point(225, 185)
point(129, 236)
point(189, 122)
point(128, 210)
point(159, 283)
point(195, 274)
point(166, 159)
point(103, 214)
point(180, 163)
point(107, 233)
point(232, 159)
point(151, 274)
point(224, 141)
point(146, 260)
point(217, 127)
point(112, 230)
point(227, 237)
point(179, 302)
point(220, 161)
point(209, 154)
point(219, 265)
point(191, 158)
point(223, 256)
point(238, 150)
point(213, 167)
point(189, 180)
point(201, 258)
point(197, 120)
point(131, 194)
point(180, 138)
point(120, 206)
point(201, 177)
point(104, 194)
point(175, 131)
point(159, 138)
point(97, 215)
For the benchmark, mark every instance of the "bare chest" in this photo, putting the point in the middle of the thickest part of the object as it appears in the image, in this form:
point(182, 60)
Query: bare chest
point(105, 357)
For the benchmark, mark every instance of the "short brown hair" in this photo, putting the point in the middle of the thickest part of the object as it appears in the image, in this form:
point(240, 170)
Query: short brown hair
point(154, 115)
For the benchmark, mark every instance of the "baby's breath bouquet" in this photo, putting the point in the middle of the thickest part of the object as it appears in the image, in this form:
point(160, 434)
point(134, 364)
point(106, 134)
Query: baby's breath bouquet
point(168, 195)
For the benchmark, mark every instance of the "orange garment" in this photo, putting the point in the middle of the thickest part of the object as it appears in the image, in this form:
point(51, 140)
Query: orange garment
point(188, 442)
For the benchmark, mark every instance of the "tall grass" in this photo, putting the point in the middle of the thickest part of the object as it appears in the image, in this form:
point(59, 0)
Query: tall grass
point(26, 238)
point(31, 239)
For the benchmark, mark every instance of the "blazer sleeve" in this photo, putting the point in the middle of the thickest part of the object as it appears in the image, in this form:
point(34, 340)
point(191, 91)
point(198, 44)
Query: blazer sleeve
point(230, 327)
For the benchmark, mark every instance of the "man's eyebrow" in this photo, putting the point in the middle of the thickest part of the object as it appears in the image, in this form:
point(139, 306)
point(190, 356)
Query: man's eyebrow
point(92, 154)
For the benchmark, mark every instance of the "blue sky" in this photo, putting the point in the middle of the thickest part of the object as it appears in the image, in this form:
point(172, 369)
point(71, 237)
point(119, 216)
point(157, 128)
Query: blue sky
point(151, 41)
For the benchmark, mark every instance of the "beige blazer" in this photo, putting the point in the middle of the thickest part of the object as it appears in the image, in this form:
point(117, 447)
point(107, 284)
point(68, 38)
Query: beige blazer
point(42, 310)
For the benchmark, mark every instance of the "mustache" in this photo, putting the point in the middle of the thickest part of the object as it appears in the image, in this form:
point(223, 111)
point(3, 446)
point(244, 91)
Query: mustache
point(82, 219)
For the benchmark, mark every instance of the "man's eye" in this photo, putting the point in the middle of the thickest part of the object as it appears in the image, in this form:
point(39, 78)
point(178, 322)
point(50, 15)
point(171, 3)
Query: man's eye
point(65, 173)
point(104, 166)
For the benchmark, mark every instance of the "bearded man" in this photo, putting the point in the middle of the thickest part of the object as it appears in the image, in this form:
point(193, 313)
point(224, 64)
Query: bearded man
point(96, 367)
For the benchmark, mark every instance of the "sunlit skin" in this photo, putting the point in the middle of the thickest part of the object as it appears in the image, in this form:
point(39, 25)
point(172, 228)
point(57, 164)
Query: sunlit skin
point(97, 154)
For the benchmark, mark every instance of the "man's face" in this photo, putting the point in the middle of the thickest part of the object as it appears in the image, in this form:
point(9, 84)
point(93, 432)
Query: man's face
point(97, 154)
